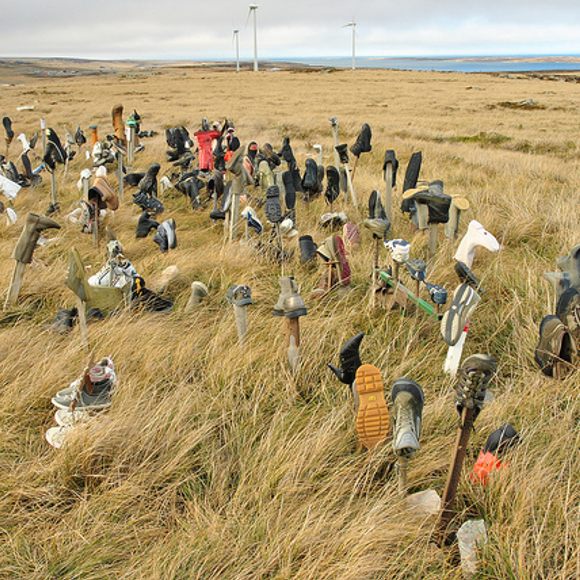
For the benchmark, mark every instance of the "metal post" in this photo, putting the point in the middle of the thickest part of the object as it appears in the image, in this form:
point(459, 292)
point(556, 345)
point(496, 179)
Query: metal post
point(255, 42)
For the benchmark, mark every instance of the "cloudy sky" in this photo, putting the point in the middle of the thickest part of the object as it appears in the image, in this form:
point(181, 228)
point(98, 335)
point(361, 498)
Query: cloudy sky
point(198, 29)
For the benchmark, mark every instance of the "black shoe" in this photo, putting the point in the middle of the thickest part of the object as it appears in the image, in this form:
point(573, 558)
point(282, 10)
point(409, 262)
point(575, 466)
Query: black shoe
point(145, 224)
point(290, 190)
point(437, 201)
point(297, 180)
point(332, 184)
point(148, 203)
point(437, 293)
point(307, 249)
point(391, 158)
point(148, 300)
point(412, 172)
point(53, 156)
point(272, 208)
point(149, 182)
point(64, 320)
point(270, 156)
point(287, 154)
point(310, 183)
point(349, 360)
point(133, 179)
point(80, 138)
point(7, 122)
point(501, 440)
point(363, 141)
point(376, 209)
point(342, 151)
point(467, 276)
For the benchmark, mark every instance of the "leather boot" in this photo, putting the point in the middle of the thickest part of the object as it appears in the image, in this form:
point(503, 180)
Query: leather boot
point(118, 125)
point(35, 225)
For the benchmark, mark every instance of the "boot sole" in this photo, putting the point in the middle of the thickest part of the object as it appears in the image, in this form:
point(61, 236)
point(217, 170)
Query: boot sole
point(372, 422)
point(455, 319)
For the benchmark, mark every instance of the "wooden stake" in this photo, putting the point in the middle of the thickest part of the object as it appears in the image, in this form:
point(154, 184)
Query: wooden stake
point(237, 189)
point(43, 136)
point(294, 343)
point(354, 165)
point(53, 188)
point(96, 223)
point(82, 310)
point(375, 278)
point(351, 190)
point(448, 500)
point(334, 125)
point(15, 285)
point(241, 315)
point(402, 468)
point(120, 175)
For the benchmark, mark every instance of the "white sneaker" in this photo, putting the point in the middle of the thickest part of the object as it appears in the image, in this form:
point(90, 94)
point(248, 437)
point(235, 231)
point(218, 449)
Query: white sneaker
point(66, 418)
point(57, 436)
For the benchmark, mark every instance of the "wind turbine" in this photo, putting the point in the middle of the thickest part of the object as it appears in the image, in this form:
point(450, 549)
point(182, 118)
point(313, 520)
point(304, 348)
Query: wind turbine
point(253, 8)
point(236, 39)
point(353, 26)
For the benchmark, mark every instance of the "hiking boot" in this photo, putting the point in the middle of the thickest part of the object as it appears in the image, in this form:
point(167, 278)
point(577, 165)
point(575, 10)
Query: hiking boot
point(289, 190)
point(342, 151)
point(400, 249)
point(80, 138)
point(64, 320)
point(570, 264)
point(7, 122)
point(349, 360)
point(332, 184)
point(253, 221)
point(165, 236)
point(93, 392)
point(268, 154)
point(417, 269)
point(145, 224)
point(465, 299)
point(290, 303)
point(351, 236)
point(333, 220)
point(437, 293)
point(391, 159)
point(407, 410)
point(378, 227)
point(239, 295)
point(488, 460)
point(103, 194)
point(35, 225)
point(568, 311)
point(372, 422)
point(474, 376)
point(286, 153)
point(272, 207)
point(556, 350)
point(147, 203)
point(149, 182)
point(467, 276)
point(307, 249)
point(363, 141)
point(412, 171)
point(198, 292)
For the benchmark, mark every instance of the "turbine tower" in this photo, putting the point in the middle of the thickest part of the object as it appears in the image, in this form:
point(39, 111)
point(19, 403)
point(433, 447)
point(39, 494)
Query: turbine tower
point(352, 25)
point(253, 8)
point(236, 39)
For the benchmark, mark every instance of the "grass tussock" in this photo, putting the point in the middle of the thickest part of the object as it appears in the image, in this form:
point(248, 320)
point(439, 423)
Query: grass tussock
point(214, 462)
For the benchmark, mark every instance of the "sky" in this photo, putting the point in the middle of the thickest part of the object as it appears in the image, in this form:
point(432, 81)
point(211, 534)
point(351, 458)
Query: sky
point(202, 29)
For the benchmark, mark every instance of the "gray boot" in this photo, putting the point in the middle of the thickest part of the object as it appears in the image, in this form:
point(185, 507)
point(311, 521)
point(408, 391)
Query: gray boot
point(198, 292)
point(407, 410)
point(290, 302)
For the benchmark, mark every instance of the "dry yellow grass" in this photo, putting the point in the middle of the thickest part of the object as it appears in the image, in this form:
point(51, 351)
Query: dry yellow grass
point(213, 461)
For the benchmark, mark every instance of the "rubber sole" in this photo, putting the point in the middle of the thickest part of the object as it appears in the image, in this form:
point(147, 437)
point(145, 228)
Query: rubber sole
point(372, 421)
point(454, 320)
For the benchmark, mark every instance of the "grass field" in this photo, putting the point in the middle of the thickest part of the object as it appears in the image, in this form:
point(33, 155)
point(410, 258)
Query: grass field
point(213, 461)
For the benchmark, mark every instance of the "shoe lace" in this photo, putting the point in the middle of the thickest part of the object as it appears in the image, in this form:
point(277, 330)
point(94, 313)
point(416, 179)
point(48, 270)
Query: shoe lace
point(405, 419)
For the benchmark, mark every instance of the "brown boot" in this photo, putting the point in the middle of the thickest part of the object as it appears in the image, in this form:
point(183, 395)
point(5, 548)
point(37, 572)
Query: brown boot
point(35, 225)
point(327, 282)
point(118, 124)
point(104, 193)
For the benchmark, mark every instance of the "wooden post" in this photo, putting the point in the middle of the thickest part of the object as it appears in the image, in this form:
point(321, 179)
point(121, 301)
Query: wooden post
point(43, 136)
point(130, 146)
point(82, 310)
point(402, 468)
point(448, 499)
point(15, 285)
point(351, 190)
point(294, 344)
point(354, 165)
point(422, 215)
point(120, 174)
point(85, 183)
point(432, 239)
point(96, 223)
point(375, 278)
point(53, 188)
point(388, 199)
point(334, 125)
point(237, 189)
point(241, 314)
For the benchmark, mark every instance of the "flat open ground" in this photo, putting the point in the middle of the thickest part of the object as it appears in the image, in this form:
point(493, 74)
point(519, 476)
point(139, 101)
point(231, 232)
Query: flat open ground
point(213, 461)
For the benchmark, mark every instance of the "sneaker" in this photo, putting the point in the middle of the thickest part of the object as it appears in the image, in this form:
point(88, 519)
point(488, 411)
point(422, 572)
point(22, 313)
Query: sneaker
point(474, 376)
point(287, 228)
point(556, 350)
point(165, 236)
point(465, 299)
point(239, 295)
point(145, 224)
point(467, 276)
point(488, 460)
point(148, 203)
point(333, 220)
point(437, 293)
point(372, 422)
point(417, 269)
point(363, 141)
point(57, 436)
point(400, 250)
point(378, 227)
point(349, 360)
point(407, 409)
point(68, 418)
point(253, 221)
point(351, 235)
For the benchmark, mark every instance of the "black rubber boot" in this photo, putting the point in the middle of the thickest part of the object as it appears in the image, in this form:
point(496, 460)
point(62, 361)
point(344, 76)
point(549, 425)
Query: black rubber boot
point(349, 360)
point(332, 184)
point(412, 172)
point(307, 249)
point(363, 141)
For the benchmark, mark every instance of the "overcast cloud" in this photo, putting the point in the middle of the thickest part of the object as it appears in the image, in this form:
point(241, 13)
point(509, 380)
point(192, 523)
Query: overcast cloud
point(203, 29)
